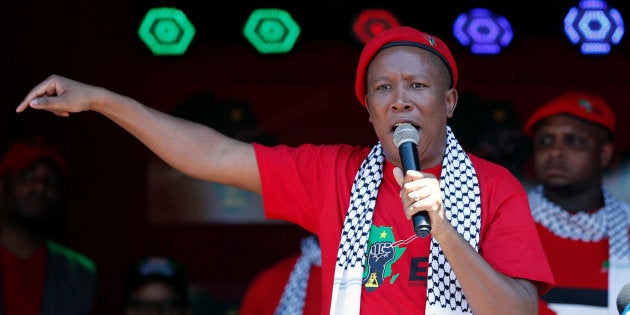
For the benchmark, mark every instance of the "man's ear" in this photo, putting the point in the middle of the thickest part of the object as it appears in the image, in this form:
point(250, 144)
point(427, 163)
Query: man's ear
point(607, 153)
point(367, 106)
point(451, 102)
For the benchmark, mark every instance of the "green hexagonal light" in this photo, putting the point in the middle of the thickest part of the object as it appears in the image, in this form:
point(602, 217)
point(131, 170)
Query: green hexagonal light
point(271, 31)
point(166, 31)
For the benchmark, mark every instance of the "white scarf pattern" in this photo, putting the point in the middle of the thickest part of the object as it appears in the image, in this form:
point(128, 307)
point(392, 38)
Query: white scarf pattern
point(294, 295)
point(611, 221)
point(460, 186)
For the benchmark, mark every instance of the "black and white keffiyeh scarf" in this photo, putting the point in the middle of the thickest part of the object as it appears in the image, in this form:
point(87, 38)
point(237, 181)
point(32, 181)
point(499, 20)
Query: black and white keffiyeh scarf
point(294, 295)
point(460, 187)
point(612, 222)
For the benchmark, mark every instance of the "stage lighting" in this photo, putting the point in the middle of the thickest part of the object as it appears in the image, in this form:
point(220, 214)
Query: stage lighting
point(371, 22)
point(166, 31)
point(484, 31)
point(593, 26)
point(271, 31)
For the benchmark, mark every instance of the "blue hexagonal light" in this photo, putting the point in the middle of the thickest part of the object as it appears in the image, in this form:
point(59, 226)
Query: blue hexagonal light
point(484, 31)
point(593, 26)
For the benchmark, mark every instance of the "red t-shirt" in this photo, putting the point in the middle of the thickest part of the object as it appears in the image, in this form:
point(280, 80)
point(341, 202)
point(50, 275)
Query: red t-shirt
point(264, 293)
point(310, 186)
point(23, 282)
point(580, 270)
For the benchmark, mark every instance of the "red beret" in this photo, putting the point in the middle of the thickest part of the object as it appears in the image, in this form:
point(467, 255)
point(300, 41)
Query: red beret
point(401, 36)
point(581, 105)
point(22, 154)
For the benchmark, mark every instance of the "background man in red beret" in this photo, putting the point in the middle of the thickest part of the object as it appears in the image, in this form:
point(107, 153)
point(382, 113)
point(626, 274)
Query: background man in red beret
point(357, 200)
point(39, 275)
point(584, 228)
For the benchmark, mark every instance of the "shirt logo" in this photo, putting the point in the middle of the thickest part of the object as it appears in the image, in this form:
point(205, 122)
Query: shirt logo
point(382, 252)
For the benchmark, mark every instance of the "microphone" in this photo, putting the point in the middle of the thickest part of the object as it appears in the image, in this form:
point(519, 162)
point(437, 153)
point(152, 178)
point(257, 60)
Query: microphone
point(406, 138)
point(623, 300)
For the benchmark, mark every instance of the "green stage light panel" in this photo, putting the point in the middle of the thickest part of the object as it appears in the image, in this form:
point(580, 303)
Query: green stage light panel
point(166, 31)
point(271, 31)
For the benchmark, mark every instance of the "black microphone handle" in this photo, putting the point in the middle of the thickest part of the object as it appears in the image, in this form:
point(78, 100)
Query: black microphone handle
point(410, 161)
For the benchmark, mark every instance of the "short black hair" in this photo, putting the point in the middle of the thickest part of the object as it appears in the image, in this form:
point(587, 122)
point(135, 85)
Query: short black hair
point(160, 269)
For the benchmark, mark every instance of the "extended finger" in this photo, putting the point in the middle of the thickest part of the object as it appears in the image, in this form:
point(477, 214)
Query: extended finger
point(47, 87)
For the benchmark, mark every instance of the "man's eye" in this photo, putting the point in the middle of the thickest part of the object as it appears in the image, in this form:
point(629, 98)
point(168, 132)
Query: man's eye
point(27, 175)
point(544, 141)
point(383, 87)
point(575, 142)
point(417, 85)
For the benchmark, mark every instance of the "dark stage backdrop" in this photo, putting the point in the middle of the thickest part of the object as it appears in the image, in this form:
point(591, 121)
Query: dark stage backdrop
point(304, 96)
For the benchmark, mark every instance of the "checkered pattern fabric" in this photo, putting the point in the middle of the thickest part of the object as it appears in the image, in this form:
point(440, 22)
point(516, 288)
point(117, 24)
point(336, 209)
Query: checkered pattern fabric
point(294, 295)
point(462, 204)
point(356, 229)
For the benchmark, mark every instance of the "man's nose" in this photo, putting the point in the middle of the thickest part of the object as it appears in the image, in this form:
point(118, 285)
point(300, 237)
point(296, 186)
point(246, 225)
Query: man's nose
point(401, 103)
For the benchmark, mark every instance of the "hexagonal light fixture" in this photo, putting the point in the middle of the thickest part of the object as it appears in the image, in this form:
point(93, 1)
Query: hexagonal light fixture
point(485, 32)
point(593, 26)
point(166, 31)
point(271, 31)
point(371, 22)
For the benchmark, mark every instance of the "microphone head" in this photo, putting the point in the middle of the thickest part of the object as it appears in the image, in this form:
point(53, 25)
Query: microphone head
point(405, 133)
point(623, 298)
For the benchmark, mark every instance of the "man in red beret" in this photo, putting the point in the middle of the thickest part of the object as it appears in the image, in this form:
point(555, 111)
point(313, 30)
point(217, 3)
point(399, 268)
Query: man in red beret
point(357, 200)
point(38, 275)
point(584, 228)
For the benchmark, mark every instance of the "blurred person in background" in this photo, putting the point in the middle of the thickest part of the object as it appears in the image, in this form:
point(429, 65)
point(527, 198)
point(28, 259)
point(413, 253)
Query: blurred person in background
point(584, 228)
point(290, 286)
point(39, 275)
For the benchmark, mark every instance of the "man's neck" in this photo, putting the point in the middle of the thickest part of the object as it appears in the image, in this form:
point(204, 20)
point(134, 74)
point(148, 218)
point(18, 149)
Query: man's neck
point(584, 201)
point(20, 242)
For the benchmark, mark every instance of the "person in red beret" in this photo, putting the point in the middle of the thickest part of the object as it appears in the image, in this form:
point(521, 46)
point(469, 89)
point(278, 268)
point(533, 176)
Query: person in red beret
point(38, 274)
point(585, 230)
point(483, 254)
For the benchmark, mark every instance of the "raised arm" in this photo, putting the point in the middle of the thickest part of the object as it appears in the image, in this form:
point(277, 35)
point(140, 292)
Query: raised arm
point(194, 149)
